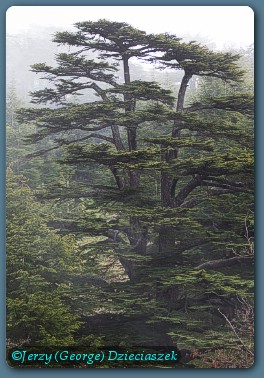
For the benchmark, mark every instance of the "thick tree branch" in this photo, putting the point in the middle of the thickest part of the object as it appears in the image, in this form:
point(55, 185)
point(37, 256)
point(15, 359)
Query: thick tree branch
point(181, 95)
point(117, 177)
point(195, 107)
point(115, 129)
point(99, 91)
point(168, 183)
point(187, 189)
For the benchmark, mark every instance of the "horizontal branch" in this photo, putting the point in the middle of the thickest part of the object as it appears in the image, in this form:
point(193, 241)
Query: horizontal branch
point(195, 107)
point(67, 142)
point(215, 264)
point(196, 201)
point(241, 103)
point(225, 181)
point(235, 187)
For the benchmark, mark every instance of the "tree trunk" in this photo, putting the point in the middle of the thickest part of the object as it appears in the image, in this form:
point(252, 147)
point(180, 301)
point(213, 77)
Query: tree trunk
point(136, 235)
point(168, 182)
point(167, 240)
point(131, 131)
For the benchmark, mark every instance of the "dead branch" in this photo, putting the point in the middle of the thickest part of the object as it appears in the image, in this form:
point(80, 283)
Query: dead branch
point(215, 264)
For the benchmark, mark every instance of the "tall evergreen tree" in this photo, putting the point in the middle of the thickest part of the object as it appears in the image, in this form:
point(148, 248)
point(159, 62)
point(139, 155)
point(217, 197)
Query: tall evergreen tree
point(164, 170)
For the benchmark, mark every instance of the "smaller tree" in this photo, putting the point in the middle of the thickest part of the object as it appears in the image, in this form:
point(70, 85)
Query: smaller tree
point(39, 264)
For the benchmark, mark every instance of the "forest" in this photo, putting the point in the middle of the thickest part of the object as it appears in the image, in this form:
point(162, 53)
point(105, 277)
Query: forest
point(130, 196)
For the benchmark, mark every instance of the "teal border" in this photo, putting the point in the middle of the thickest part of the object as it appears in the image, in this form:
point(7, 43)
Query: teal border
point(258, 369)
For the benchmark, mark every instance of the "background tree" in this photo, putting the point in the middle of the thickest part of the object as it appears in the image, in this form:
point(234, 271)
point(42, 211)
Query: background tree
point(40, 265)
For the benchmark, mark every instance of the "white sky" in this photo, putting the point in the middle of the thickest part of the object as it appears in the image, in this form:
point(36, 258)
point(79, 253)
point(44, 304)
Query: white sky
point(226, 26)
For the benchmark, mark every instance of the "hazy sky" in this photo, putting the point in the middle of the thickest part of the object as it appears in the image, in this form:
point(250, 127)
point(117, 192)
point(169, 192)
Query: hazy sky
point(226, 26)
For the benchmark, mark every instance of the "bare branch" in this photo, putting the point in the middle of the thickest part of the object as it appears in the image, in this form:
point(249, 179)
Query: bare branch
point(237, 336)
